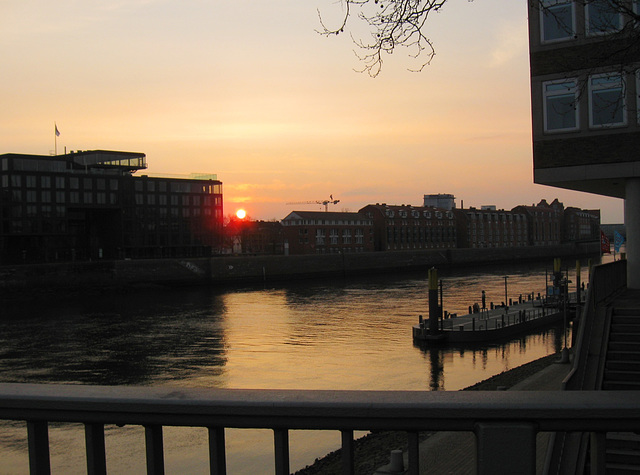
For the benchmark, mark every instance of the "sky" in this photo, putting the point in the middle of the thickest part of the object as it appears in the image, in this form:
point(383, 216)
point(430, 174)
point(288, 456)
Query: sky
point(250, 91)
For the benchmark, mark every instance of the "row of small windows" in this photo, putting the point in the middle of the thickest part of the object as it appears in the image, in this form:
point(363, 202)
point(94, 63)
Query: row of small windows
point(73, 197)
point(606, 102)
point(495, 217)
point(320, 222)
point(177, 187)
point(416, 214)
point(58, 182)
point(405, 222)
point(420, 235)
point(163, 200)
point(62, 182)
point(558, 18)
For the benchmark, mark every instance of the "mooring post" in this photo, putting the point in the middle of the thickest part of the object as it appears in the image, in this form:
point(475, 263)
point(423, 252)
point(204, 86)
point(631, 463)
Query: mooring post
point(434, 308)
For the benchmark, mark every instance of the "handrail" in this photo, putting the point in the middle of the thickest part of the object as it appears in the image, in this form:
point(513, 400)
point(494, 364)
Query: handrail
point(605, 283)
point(505, 422)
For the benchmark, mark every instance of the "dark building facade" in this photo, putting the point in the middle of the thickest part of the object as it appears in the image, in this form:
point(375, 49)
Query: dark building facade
point(262, 238)
point(545, 222)
point(490, 227)
point(89, 205)
point(581, 224)
point(411, 227)
point(585, 97)
point(317, 232)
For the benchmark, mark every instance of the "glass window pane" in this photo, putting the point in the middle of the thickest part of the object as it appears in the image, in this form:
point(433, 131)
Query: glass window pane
point(557, 22)
point(607, 101)
point(602, 17)
point(560, 106)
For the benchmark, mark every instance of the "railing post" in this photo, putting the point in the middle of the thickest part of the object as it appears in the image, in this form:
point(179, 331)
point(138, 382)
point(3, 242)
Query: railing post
point(598, 452)
point(414, 452)
point(94, 442)
point(38, 437)
point(155, 450)
point(506, 448)
point(281, 445)
point(217, 454)
point(348, 451)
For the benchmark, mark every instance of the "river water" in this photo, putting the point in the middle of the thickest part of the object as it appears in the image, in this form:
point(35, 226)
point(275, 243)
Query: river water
point(339, 334)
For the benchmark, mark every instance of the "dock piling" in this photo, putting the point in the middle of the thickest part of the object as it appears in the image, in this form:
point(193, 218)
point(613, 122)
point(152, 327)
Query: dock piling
point(434, 308)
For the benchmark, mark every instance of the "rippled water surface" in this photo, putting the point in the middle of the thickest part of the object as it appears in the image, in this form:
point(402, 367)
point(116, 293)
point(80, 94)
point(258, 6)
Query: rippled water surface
point(338, 334)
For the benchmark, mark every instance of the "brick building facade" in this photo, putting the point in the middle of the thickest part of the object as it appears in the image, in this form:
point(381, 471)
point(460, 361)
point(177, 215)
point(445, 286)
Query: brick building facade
point(411, 227)
point(317, 232)
point(489, 227)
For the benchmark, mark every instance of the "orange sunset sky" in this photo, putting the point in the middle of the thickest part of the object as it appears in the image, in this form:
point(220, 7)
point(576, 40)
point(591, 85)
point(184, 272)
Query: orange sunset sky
point(250, 91)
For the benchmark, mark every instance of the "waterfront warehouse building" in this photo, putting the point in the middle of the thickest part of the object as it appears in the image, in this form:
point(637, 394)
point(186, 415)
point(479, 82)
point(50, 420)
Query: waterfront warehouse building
point(327, 232)
point(404, 227)
point(585, 93)
point(88, 205)
point(489, 227)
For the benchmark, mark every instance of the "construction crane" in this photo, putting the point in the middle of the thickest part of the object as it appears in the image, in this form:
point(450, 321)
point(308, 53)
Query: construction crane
point(326, 203)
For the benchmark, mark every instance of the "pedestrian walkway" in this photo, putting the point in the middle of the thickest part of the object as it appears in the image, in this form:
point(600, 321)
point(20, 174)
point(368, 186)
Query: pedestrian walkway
point(455, 452)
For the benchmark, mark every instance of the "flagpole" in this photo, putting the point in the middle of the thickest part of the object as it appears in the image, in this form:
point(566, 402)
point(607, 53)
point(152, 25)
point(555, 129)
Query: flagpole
point(55, 135)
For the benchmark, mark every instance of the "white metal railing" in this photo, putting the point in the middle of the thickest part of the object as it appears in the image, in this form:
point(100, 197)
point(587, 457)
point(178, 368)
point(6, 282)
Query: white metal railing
point(505, 422)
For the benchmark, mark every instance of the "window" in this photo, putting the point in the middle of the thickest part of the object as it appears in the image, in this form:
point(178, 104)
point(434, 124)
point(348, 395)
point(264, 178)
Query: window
point(602, 16)
point(606, 101)
point(557, 20)
point(560, 105)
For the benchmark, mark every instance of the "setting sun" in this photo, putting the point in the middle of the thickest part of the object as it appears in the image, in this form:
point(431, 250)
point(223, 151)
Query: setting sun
point(241, 214)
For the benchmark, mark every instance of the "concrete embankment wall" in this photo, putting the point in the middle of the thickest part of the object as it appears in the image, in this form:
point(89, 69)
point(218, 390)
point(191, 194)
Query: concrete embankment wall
point(234, 269)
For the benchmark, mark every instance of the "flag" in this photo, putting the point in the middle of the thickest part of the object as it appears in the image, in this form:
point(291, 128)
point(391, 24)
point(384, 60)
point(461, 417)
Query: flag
point(605, 246)
point(618, 240)
point(57, 131)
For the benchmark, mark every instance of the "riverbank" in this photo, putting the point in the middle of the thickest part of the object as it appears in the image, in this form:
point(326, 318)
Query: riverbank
point(231, 270)
point(372, 451)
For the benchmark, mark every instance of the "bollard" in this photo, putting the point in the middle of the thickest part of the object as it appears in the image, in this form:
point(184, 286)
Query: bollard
point(461, 327)
point(473, 324)
point(510, 301)
point(396, 462)
point(503, 321)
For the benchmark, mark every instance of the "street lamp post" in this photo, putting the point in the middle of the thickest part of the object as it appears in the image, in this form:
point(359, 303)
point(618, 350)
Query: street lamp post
point(506, 300)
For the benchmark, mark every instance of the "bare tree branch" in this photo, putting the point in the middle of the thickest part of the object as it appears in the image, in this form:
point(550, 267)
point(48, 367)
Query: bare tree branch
point(392, 23)
point(402, 23)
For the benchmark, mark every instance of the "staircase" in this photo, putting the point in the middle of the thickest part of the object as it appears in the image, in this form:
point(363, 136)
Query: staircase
point(622, 372)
